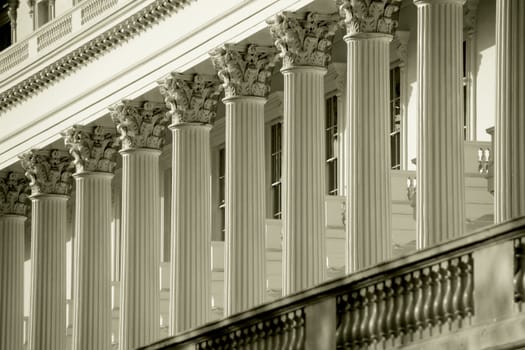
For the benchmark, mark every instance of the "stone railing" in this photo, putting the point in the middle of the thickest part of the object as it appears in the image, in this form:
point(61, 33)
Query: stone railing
point(54, 32)
point(92, 9)
point(419, 298)
point(58, 30)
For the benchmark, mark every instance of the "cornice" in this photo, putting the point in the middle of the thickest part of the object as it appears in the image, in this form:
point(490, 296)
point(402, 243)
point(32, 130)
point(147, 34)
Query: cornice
point(94, 48)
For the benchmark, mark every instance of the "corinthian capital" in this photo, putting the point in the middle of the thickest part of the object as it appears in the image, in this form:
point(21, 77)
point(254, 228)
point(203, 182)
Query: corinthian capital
point(244, 71)
point(140, 124)
point(370, 16)
point(304, 39)
point(93, 149)
point(14, 191)
point(49, 172)
point(191, 98)
point(470, 12)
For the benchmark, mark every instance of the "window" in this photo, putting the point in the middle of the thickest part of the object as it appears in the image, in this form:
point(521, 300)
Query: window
point(395, 118)
point(331, 145)
point(5, 26)
point(222, 192)
point(276, 168)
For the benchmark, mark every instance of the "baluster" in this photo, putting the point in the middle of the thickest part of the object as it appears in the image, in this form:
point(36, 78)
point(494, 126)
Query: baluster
point(381, 331)
point(400, 308)
point(446, 271)
point(409, 304)
point(419, 289)
point(344, 325)
point(519, 276)
point(232, 340)
point(428, 282)
point(468, 297)
point(390, 301)
point(285, 336)
point(268, 334)
point(221, 343)
point(458, 286)
point(365, 336)
point(277, 333)
point(246, 339)
point(356, 311)
point(299, 327)
point(438, 296)
point(372, 315)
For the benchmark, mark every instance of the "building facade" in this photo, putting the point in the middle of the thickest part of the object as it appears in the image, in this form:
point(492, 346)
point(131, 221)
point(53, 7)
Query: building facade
point(276, 174)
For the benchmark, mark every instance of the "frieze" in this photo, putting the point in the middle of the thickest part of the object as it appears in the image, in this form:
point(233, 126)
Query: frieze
point(49, 171)
point(191, 98)
point(93, 149)
point(304, 39)
point(245, 71)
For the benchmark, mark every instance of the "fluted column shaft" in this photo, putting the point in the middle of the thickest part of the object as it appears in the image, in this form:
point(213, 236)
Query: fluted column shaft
point(368, 175)
point(509, 146)
point(12, 285)
point(139, 310)
point(245, 204)
point(303, 178)
point(48, 272)
point(191, 225)
point(440, 157)
point(92, 283)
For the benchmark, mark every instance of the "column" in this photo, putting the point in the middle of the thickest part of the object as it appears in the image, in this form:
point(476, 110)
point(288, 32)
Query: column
point(49, 173)
point(246, 73)
point(368, 234)
point(93, 150)
point(440, 208)
point(509, 146)
point(192, 103)
point(13, 214)
point(304, 41)
point(141, 127)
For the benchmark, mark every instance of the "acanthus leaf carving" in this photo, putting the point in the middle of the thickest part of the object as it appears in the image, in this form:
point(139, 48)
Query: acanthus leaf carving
point(470, 12)
point(93, 149)
point(304, 39)
point(370, 16)
point(14, 194)
point(191, 98)
point(49, 171)
point(140, 124)
point(245, 71)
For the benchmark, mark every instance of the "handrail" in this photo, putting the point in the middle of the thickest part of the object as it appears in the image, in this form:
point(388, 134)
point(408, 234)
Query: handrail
point(429, 287)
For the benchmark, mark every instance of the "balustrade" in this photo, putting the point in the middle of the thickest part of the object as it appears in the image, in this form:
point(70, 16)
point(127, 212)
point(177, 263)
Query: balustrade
point(406, 305)
point(284, 331)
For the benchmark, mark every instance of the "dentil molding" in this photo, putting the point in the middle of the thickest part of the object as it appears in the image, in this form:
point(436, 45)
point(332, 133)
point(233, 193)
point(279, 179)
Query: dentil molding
point(245, 71)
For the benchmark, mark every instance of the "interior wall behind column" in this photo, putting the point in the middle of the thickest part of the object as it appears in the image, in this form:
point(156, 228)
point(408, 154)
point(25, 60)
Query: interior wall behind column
point(486, 59)
point(408, 22)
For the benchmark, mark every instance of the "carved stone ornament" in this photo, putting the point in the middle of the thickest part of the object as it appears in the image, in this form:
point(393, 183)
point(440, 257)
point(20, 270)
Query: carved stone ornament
point(400, 43)
point(49, 172)
point(140, 125)
point(245, 71)
point(304, 39)
point(14, 193)
point(93, 149)
point(191, 98)
point(470, 14)
point(370, 16)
